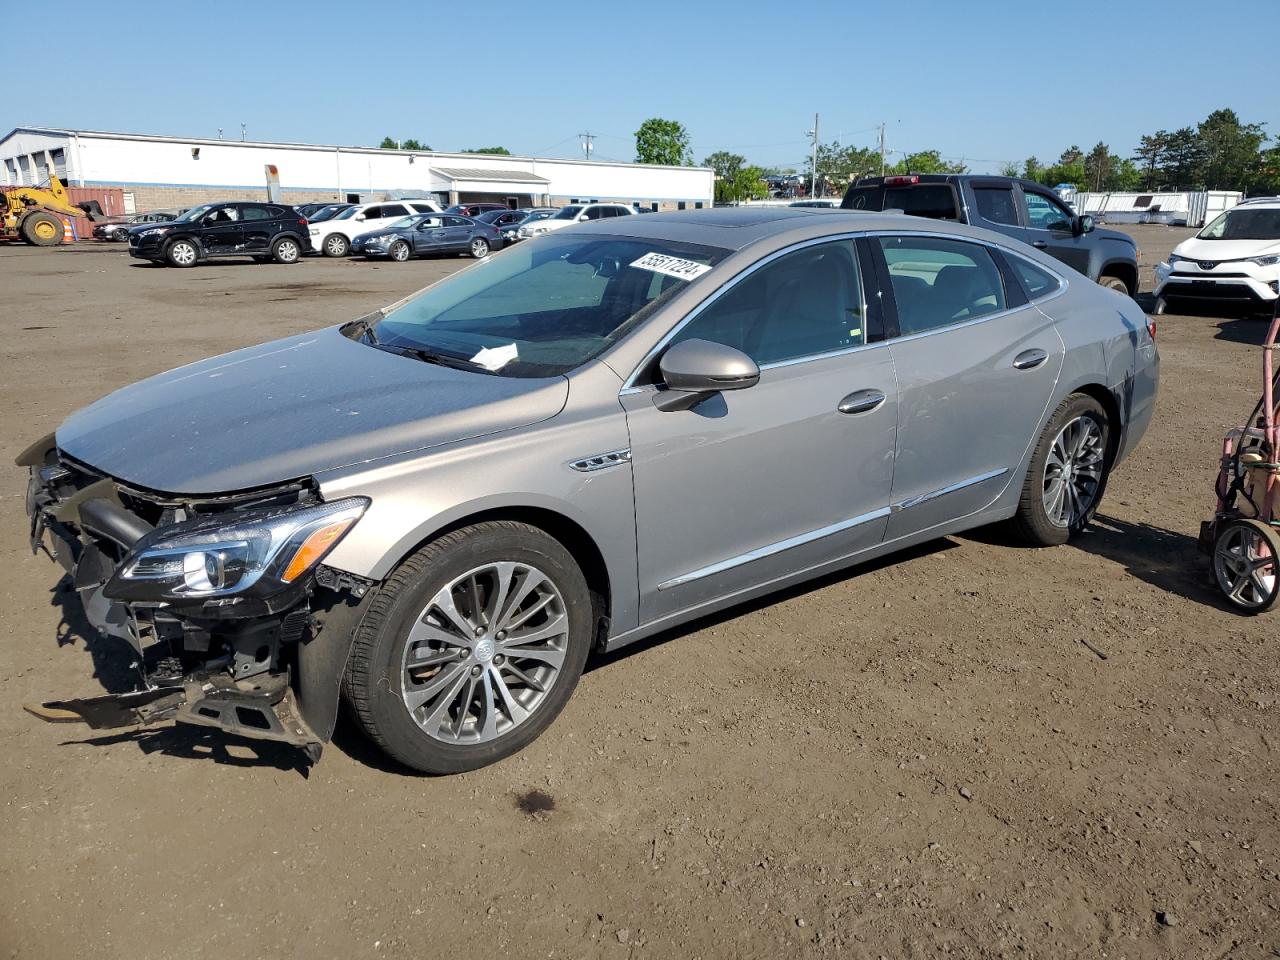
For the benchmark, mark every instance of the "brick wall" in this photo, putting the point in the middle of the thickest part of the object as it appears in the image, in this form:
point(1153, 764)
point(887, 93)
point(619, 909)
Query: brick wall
point(163, 198)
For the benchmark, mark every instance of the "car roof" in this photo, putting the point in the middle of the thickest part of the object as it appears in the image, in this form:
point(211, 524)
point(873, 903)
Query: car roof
point(734, 228)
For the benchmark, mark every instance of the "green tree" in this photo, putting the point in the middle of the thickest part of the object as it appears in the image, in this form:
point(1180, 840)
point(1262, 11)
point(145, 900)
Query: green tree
point(1267, 177)
point(663, 141)
point(389, 144)
point(1031, 169)
point(839, 165)
point(1010, 169)
point(1229, 151)
point(926, 161)
point(1183, 167)
point(496, 151)
point(1150, 156)
point(1124, 176)
point(725, 164)
point(1097, 167)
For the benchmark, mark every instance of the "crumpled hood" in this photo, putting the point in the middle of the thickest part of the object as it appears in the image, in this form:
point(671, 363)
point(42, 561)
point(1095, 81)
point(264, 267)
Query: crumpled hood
point(291, 408)
point(1196, 249)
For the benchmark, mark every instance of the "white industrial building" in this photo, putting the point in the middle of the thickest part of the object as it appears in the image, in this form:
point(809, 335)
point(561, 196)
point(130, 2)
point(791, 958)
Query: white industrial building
point(159, 172)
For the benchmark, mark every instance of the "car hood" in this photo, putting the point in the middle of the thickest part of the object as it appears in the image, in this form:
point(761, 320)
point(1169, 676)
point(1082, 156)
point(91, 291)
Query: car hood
point(1116, 236)
point(1196, 249)
point(291, 408)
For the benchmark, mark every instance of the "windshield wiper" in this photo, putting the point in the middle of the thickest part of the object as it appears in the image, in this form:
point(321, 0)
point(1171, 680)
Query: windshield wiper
point(366, 330)
point(430, 356)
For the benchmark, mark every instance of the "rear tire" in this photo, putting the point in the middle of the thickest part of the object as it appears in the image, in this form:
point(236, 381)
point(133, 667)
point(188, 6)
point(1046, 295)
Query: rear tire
point(479, 248)
point(41, 229)
point(182, 253)
point(1068, 473)
point(1246, 565)
point(448, 693)
point(336, 245)
point(286, 250)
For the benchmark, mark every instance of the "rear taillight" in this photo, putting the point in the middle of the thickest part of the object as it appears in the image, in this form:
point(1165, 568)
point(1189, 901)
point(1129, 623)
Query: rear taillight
point(302, 222)
point(1151, 328)
point(901, 181)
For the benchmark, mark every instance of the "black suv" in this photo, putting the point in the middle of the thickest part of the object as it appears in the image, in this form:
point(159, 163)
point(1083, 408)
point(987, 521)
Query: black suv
point(263, 231)
point(1021, 209)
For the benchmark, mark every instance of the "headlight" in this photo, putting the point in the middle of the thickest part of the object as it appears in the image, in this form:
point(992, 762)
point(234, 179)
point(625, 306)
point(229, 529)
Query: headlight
point(314, 231)
point(216, 556)
point(1174, 258)
point(1268, 261)
point(154, 231)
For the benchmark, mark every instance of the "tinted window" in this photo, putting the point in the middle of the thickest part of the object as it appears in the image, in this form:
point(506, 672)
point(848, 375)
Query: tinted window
point(939, 282)
point(256, 213)
point(804, 303)
point(995, 204)
point(1046, 214)
point(455, 222)
point(395, 210)
point(1037, 282)
point(935, 200)
point(423, 207)
point(595, 213)
point(864, 198)
point(372, 213)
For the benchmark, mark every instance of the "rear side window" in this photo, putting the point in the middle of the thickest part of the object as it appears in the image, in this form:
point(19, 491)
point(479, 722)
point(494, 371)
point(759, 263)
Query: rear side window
point(939, 282)
point(934, 200)
point(995, 205)
point(804, 303)
point(422, 207)
point(250, 212)
point(454, 222)
point(595, 213)
point(1038, 282)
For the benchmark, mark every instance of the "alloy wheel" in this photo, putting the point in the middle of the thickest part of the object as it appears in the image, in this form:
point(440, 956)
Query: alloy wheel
point(1073, 472)
point(400, 251)
point(479, 248)
point(483, 654)
point(287, 251)
point(183, 253)
point(1245, 565)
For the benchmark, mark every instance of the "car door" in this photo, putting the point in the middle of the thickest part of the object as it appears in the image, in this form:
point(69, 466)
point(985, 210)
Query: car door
point(756, 484)
point(976, 367)
point(429, 236)
point(1050, 227)
point(995, 207)
point(259, 224)
point(457, 232)
point(221, 231)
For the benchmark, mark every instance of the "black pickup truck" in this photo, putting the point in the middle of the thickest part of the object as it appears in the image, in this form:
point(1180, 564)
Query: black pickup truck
point(1021, 209)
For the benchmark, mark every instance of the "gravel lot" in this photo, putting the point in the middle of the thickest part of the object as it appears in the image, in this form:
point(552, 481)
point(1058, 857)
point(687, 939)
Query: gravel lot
point(921, 757)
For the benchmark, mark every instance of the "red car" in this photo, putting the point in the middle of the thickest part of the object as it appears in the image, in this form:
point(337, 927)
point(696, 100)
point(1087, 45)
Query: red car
point(473, 209)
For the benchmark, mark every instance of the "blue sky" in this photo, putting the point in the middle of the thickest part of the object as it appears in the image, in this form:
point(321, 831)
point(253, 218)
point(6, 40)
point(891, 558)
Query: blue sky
point(983, 81)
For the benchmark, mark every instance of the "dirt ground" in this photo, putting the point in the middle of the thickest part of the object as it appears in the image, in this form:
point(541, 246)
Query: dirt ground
point(918, 758)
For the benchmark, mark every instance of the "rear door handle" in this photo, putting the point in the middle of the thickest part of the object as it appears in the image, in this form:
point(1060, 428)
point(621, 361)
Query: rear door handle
point(1040, 244)
point(1029, 359)
point(861, 401)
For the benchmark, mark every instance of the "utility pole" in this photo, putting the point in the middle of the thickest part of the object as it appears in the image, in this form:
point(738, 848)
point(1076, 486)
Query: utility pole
point(586, 143)
point(882, 148)
point(813, 179)
point(242, 133)
point(219, 133)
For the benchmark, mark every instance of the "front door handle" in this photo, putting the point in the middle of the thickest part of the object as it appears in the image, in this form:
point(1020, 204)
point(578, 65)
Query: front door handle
point(1029, 359)
point(861, 401)
point(1040, 244)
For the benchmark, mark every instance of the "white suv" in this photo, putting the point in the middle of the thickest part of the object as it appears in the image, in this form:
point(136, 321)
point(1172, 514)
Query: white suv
point(333, 237)
point(1235, 259)
point(575, 213)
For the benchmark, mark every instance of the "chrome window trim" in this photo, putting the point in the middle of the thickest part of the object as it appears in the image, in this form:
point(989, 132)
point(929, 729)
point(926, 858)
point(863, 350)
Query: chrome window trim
point(770, 549)
point(630, 384)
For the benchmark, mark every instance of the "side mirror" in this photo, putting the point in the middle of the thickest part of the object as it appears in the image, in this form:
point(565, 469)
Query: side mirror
point(582, 217)
point(695, 369)
point(1083, 225)
point(361, 216)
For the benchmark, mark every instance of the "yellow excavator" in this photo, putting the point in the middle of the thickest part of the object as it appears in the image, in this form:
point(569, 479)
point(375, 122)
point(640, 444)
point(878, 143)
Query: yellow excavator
point(35, 213)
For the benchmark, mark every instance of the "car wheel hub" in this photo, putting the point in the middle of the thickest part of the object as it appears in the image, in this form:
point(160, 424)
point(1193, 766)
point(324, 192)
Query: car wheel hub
point(483, 654)
point(1073, 472)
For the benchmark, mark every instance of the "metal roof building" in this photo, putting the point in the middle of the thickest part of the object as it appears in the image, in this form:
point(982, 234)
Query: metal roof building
point(156, 171)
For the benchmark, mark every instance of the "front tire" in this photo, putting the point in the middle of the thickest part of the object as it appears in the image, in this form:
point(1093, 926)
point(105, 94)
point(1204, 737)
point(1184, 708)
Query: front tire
point(399, 251)
point(472, 648)
point(42, 229)
point(182, 253)
point(336, 245)
point(1114, 283)
point(1246, 565)
point(286, 250)
point(1068, 473)
point(120, 236)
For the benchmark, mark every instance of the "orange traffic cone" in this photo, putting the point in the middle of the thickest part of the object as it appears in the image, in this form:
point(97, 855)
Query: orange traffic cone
point(67, 235)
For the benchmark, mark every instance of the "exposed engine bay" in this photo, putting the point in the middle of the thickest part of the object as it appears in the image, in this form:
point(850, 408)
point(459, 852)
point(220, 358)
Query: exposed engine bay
point(235, 622)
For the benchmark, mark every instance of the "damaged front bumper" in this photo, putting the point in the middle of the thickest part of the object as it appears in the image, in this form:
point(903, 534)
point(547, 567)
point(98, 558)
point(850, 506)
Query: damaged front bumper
point(250, 637)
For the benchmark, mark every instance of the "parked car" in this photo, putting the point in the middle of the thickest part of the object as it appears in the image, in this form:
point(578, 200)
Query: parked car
point(328, 212)
point(263, 231)
point(118, 229)
point(815, 203)
point(574, 213)
point(333, 236)
point(475, 209)
point(1017, 208)
point(429, 233)
point(1235, 260)
point(442, 508)
point(309, 210)
point(511, 232)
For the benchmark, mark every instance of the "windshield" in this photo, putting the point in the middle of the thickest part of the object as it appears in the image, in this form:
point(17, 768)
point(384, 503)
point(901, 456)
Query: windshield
point(567, 213)
point(545, 307)
point(324, 213)
point(491, 215)
point(406, 223)
point(346, 214)
point(1244, 224)
point(195, 213)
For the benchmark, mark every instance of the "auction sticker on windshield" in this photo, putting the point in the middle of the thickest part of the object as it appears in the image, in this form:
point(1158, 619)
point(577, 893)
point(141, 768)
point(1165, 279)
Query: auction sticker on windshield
point(671, 266)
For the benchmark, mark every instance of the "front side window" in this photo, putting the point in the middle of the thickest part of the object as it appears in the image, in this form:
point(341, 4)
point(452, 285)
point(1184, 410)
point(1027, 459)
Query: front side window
point(804, 303)
point(1244, 224)
point(1046, 214)
point(568, 213)
point(995, 205)
point(223, 215)
point(542, 309)
point(938, 282)
point(395, 210)
point(372, 213)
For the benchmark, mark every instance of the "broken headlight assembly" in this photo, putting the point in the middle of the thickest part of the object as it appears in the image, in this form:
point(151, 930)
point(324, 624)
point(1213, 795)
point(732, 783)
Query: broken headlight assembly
point(256, 552)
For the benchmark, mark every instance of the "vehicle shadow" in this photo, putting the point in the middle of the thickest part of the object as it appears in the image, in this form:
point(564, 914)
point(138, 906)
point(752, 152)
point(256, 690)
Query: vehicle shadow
point(600, 661)
point(111, 657)
point(1251, 330)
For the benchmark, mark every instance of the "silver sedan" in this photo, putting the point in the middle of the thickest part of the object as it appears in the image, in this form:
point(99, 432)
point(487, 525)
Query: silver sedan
point(442, 509)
